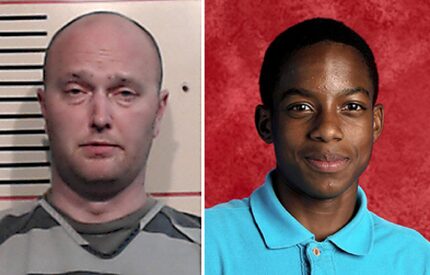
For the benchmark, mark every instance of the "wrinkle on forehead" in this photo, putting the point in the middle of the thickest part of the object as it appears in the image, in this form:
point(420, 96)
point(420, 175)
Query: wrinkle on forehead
point(104, 52)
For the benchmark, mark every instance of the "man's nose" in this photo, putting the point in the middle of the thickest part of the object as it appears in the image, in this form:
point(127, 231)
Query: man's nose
point(327, 127)
point(101, 112)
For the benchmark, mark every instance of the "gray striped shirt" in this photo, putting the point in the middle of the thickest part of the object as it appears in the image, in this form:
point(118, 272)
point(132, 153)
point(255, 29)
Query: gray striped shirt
point(37, 239)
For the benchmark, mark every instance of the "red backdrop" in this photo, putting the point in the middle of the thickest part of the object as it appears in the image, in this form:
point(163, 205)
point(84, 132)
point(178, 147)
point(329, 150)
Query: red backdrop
point(397, 182)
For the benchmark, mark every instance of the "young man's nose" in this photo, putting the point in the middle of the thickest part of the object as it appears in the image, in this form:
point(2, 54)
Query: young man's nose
point(326, 127)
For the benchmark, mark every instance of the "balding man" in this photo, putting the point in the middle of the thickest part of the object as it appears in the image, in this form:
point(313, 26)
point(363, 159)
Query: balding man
point(102, 103)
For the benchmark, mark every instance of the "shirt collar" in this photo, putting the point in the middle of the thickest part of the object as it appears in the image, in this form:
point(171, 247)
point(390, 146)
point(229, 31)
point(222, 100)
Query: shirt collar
point(357, 236)
point(280, 229)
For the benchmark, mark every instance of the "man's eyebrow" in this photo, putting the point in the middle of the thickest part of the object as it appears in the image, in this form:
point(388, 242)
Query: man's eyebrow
point(79, 75)
point(86, 76)
point(124, 80)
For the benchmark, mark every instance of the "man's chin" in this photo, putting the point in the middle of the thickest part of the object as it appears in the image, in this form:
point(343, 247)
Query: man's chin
point(99, 173)
point(98, 189)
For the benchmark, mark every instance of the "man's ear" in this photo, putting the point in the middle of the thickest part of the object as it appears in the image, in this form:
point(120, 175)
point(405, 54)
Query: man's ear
point(378, 121)
point(41, 97)
point(162, 103)
point(263, 123)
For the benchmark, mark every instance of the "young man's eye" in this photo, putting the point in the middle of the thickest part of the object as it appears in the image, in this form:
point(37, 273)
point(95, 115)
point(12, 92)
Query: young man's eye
point(299, 108)
point(353, 107)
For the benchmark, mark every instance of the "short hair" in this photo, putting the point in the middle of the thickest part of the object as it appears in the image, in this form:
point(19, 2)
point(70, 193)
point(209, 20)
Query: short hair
point(304, 34)
point(145, 31)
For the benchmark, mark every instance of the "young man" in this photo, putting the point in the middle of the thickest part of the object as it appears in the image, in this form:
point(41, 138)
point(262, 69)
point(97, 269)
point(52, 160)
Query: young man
point(102, 103)
point(319, 85)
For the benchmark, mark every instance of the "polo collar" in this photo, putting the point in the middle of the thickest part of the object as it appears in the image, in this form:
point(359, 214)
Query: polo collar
point(279, 229)
point(357, 236)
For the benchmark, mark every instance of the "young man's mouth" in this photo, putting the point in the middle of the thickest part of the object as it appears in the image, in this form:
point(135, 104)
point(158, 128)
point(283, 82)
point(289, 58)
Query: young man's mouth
point(327, 162)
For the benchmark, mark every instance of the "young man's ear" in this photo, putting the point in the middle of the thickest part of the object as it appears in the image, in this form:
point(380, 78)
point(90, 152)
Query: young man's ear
point(378, 121)
point(162, 103)
point(263, 123)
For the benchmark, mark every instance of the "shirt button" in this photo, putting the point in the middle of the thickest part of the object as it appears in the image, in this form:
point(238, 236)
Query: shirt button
point(316, 251)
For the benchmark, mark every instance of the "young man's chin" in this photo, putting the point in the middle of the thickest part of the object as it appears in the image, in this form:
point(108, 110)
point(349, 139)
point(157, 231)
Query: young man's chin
point(327, 189)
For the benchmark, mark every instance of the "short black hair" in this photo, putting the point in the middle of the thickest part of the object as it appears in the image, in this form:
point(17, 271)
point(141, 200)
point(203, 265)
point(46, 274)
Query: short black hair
point(304, 34)
point(145, 31)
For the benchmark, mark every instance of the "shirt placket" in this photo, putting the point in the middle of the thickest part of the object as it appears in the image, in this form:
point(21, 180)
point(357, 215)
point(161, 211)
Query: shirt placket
point(320, 258)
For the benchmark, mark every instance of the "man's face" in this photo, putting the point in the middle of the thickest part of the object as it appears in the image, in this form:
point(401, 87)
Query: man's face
point(101, 105)
point(323, 123)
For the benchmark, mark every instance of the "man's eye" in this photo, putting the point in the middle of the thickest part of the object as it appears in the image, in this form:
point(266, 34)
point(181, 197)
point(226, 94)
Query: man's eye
point(74, 91)
point(125, 96)
point(299, 108)
point(353, 107)
point(75, 95)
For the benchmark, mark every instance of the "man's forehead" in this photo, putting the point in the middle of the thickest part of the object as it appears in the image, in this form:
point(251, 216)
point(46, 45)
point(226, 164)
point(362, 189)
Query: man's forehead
point(110, 36)
point(88, 76)
point(103, 25)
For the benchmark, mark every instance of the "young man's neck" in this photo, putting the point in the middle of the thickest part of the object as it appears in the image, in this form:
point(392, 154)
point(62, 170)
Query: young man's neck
point(132, 198)
point(321, 217)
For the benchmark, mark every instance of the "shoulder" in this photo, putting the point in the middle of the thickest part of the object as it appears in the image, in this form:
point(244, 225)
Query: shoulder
point(228, 219)
point(405, 243)
point(227, 225)
point(231, 208)
point(181, 218)
point(229, 214)
point(176, 225)
point(22, 219)
point(387, 229)
point(19, 210)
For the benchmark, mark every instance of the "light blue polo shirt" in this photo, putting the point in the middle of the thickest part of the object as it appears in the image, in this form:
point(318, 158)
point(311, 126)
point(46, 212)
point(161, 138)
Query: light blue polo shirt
point(257, 236)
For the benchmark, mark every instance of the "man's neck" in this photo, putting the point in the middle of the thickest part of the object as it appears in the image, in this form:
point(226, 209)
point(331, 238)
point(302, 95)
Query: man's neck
point(321, 217)
point(83, 210)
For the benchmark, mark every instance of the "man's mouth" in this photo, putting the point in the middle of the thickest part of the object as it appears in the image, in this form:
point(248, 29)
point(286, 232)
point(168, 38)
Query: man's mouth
point(327, 162)
point(99, 149)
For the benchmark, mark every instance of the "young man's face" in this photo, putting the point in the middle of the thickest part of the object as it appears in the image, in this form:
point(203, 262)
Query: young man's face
point(323, 123)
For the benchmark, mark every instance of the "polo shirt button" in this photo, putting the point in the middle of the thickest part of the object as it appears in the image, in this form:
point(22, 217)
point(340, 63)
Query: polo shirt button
point(316, 251)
